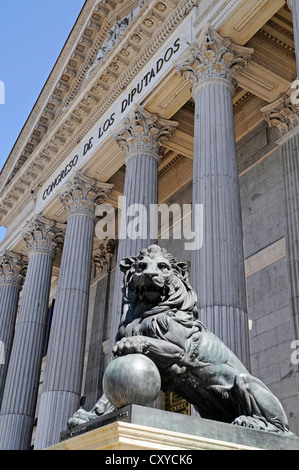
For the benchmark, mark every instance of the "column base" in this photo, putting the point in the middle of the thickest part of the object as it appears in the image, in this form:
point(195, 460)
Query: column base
point(16, 431)
point(57, 406)
point(134, 428)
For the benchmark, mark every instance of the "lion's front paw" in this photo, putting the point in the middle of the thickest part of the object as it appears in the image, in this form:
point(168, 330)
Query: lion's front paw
point(80, 417)
point(131, 345)
point(251, 422)
point(175, 370)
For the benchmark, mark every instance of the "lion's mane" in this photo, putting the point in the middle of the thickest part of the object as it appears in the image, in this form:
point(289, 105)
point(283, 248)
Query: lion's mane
point(180, 295)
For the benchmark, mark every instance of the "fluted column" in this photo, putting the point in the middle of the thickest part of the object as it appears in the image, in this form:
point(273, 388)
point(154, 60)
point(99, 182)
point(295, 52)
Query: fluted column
point(65, 358)
point(11, 281)
point(290, 159)
point(294, 6)
point(141, 136)
point(21, 387)
point(217, 269)
point(284, 115)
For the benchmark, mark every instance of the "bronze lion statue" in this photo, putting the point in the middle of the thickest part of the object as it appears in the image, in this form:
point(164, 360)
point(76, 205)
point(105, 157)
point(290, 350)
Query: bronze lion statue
point(160, 320)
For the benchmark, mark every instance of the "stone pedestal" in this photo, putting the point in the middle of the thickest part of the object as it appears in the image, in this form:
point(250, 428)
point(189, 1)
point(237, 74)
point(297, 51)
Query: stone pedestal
point(141, 428)
point(127, 436)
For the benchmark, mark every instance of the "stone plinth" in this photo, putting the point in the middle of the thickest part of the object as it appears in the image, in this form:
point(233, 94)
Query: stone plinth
point(128, 436)
point(134, 428)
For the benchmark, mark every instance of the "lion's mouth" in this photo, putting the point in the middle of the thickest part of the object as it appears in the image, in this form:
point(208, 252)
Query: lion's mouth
point(152, 292)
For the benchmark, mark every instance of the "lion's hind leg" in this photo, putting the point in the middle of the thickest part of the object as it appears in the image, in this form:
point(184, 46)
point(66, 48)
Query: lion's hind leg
point(260, 409)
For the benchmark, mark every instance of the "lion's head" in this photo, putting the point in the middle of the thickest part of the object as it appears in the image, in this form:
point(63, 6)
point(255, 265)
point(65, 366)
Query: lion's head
point(154, 281)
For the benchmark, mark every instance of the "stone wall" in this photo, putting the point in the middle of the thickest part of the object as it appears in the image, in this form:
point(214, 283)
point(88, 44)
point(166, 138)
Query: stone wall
point(262, 197)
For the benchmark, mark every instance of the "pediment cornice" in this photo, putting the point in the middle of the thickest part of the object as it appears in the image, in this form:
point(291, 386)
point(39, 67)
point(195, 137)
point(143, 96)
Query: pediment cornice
point(73, 120)
point(85, 38)
point(40, 113)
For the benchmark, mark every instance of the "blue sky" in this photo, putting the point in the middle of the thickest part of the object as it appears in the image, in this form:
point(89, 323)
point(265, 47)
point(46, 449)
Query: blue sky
point(32, 35)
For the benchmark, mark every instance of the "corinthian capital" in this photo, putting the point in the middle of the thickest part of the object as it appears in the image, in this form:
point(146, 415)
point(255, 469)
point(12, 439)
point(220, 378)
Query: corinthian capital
point(82, 194)
point(102, 256)
point(213, 57)
point(144, 132)
point(12, 267)
point(283, 113)
point(42, 235)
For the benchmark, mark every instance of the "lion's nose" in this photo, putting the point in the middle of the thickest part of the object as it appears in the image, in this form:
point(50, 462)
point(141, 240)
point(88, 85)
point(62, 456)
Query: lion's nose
point(152, 277)
point(149, 275)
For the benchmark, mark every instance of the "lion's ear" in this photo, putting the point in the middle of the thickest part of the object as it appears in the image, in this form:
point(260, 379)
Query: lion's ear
point(126, 264)
point(183, 266)
point(182, 269)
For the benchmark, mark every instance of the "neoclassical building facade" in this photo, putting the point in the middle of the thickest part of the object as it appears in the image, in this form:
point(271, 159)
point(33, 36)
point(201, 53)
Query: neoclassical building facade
point(184, 104)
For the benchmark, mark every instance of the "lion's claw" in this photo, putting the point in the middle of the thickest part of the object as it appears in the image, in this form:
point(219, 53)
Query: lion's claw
point(131, 345)
point(80, 417)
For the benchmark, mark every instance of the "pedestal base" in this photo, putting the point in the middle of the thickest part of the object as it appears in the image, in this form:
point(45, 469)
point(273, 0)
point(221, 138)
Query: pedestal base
point(127, 436)
point(141, 428)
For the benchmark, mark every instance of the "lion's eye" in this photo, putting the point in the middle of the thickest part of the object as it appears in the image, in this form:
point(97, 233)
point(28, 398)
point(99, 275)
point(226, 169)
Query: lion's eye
point(141, 266)
point(163, 266)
